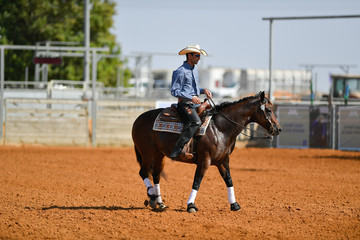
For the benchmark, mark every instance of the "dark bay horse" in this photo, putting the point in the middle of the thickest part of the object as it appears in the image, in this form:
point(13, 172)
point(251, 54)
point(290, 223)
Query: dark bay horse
point(213, 148)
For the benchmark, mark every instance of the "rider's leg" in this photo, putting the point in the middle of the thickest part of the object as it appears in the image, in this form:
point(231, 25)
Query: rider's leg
point(192, 123)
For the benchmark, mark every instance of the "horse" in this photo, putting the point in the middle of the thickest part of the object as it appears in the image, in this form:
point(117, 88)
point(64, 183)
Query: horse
point(213, 148)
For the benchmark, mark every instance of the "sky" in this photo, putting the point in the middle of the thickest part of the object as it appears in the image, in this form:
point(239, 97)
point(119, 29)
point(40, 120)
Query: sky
point(235, 35)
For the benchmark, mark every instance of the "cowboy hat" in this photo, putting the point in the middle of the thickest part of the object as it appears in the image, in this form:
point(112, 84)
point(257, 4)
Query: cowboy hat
point(193, 48)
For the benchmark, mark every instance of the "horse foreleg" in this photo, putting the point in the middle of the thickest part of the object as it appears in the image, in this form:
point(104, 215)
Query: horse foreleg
point(199, 174)
point(225, 174)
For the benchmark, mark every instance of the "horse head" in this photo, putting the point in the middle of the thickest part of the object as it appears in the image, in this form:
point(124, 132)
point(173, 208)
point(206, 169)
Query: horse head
point(265, 116)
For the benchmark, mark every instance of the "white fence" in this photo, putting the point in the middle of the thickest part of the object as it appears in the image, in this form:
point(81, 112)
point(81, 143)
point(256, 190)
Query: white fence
point(114, 120)
point(67, 122)
point(46, 122)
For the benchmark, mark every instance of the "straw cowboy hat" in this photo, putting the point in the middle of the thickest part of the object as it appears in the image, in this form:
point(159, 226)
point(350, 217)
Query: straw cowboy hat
point(193, 48)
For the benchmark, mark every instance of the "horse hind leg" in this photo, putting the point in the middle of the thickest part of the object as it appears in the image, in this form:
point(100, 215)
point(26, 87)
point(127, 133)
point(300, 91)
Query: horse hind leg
point(150, 191)
point(156, 200)
point(145, 168)
point(153, 165)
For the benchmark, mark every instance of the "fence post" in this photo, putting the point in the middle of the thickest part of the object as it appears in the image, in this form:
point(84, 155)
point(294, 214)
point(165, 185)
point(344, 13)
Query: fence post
point(333, 125)
point(2, 79)
point(93, 106)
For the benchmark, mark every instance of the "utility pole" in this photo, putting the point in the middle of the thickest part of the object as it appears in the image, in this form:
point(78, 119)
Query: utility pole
point(86, 73)
point(2, 80)
point(270, 94)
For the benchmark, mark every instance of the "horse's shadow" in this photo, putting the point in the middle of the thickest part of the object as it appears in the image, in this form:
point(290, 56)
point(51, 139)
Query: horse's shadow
point(107, 208)
point(341, 157)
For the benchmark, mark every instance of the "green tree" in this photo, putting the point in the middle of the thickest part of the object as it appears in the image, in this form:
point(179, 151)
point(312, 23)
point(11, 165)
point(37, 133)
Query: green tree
point(26, 22)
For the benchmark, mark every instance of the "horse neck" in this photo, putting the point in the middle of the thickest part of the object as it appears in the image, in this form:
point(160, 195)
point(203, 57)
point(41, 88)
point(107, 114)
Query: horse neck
point(239, 113)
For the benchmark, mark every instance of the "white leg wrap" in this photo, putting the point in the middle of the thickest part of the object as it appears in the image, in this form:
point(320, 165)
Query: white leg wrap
point(192, 196)
point(231, 195)
point(149, 186)
point(151, 191)
point(157, 192)
point(147, 183)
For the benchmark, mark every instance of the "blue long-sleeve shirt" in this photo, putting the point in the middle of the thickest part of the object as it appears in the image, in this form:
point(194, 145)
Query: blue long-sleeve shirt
point(185, 82)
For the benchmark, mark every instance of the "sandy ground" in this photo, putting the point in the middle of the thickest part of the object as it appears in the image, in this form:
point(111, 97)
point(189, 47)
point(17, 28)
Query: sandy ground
point(84, 193)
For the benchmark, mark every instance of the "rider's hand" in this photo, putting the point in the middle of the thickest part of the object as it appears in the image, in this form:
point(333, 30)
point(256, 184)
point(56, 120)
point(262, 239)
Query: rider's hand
point(196, 100)
point(208, 93)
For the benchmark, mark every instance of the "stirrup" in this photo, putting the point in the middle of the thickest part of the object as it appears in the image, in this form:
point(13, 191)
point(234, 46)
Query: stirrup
point(186, 152)
point(186, 156)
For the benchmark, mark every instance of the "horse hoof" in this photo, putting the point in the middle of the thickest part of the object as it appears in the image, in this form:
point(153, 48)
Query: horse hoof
point(161, 207)
point(153, 201)
point(191, 208)
point(153, 204)
point(235, 207)
point(146, 203)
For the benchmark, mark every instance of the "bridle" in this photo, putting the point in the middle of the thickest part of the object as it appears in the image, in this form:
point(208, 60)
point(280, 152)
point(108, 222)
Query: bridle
point(262, 107)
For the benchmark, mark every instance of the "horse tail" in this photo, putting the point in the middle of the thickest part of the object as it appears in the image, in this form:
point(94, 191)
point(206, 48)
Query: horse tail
point(138, 156)
point(140, 161)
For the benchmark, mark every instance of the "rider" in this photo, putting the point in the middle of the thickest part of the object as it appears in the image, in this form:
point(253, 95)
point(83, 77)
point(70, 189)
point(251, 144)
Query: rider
point(185, 87)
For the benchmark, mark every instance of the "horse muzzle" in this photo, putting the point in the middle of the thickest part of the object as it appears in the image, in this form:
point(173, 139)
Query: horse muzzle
point(275, 130)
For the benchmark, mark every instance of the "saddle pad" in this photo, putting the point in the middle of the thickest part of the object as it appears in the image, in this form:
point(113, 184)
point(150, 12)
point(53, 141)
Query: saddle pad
point(176, 126)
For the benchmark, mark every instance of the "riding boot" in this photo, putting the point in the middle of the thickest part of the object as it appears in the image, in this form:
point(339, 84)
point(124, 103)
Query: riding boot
point(184, 138)
point(187, 151)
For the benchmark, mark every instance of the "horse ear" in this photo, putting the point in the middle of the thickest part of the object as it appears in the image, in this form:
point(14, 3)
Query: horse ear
point(262, 97)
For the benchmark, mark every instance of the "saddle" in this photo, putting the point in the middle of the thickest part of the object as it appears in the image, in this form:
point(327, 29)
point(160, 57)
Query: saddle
point(169, 121)
point(171, 114)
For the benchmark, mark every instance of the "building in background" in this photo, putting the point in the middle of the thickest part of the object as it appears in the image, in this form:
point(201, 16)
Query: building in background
point(345, 86)
point(234, 83)
point(285, 83)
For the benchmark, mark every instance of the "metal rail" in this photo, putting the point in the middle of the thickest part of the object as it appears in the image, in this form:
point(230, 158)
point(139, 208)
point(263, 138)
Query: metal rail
point(271, 19)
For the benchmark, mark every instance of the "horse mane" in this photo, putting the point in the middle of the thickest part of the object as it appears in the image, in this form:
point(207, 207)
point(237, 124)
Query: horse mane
point(228, 104)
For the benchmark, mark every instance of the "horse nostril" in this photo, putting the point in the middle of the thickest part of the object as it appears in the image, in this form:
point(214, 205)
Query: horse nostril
point(279, 129)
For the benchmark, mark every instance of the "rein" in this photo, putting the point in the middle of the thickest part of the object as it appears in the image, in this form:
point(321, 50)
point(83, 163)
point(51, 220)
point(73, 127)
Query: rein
point(267, 136)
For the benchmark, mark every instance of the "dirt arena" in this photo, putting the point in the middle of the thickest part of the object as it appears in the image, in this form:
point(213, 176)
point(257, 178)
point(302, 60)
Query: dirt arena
point(85, 193)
